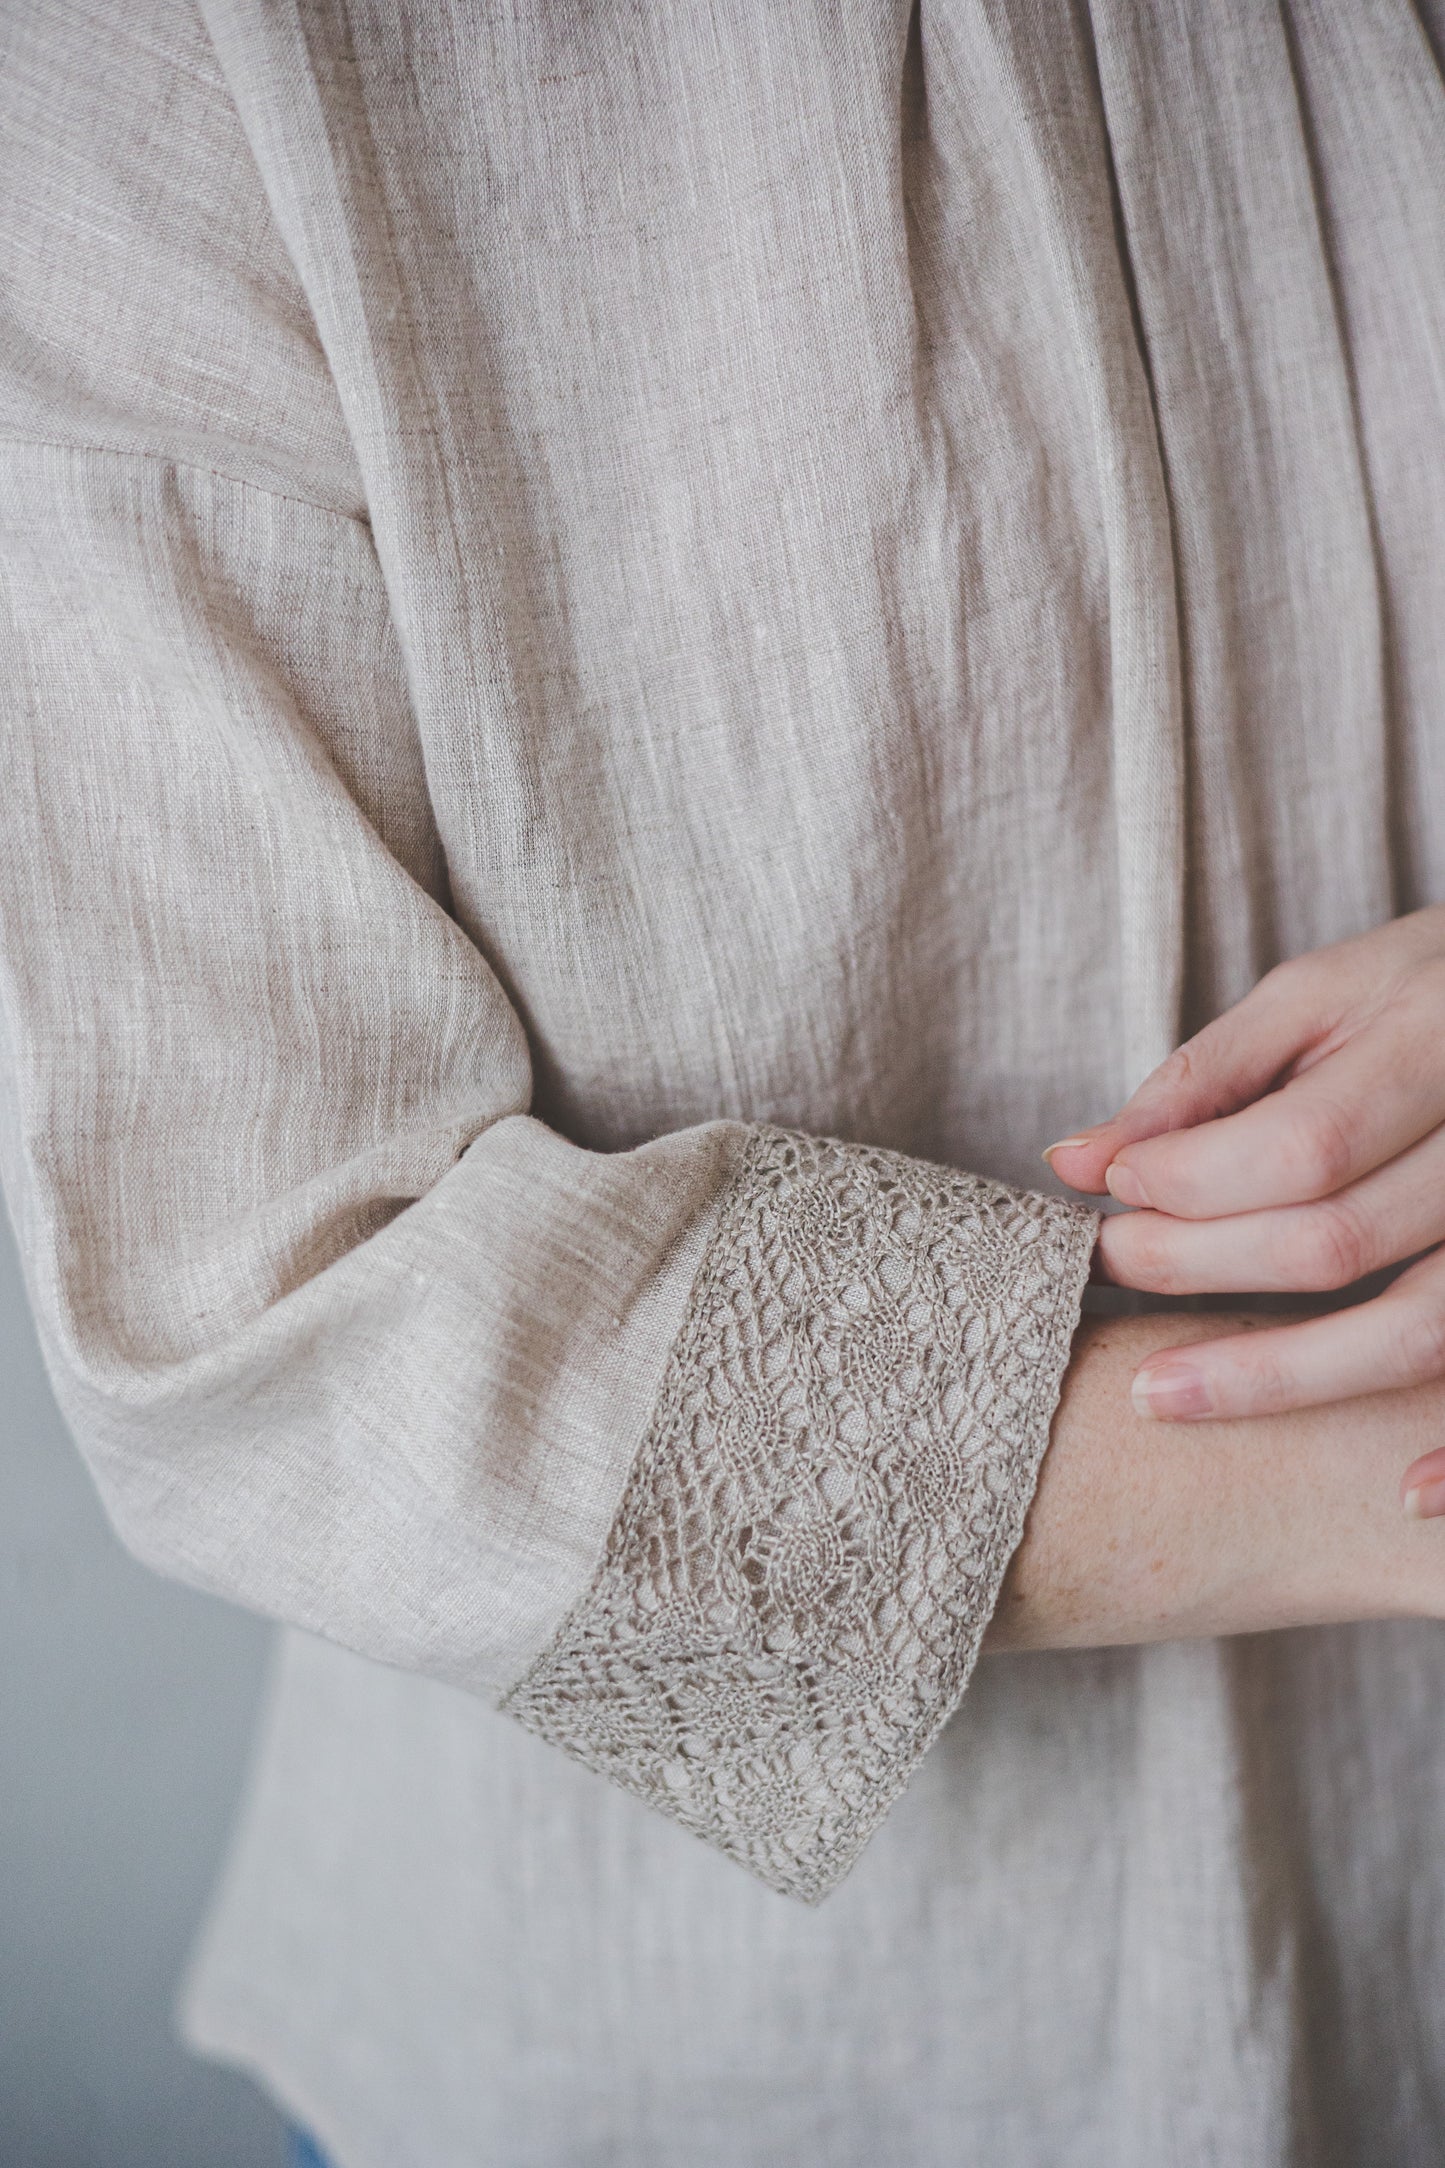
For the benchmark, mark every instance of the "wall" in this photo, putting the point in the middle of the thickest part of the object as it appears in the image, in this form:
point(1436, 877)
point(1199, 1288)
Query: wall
point(125, 1708)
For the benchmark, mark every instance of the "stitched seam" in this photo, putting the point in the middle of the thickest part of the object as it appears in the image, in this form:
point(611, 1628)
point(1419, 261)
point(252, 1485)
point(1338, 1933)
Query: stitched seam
point(184, 466)
point(813, 1535)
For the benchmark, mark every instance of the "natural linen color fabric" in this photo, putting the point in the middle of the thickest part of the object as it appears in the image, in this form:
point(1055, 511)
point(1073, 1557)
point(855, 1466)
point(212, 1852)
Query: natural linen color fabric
point(641, 648)
point(345, 1330)
point(817, 1524)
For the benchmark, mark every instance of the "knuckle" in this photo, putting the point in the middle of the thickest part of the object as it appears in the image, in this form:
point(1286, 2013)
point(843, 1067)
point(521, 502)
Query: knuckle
point(1180, 1067)
point(1143, 1250)
point(1425, 988)
point(1419, 1340)
point(1289, 971)
point(1174, 1077)
point(1331, 1248)
point(1299, 978)
point(1413, 1032)
point(1320, 1148)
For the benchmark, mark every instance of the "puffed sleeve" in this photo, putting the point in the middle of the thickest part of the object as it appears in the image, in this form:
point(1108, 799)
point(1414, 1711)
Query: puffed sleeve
point(703, 1460)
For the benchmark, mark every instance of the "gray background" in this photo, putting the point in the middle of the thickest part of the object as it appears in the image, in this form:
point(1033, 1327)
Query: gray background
point(125, 1710)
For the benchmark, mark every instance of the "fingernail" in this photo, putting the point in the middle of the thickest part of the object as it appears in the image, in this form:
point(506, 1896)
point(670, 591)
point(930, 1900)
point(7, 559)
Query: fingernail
point(1425, 1502)
point(1066, 1144)
point(1124, 1183)
point(1173, 1389)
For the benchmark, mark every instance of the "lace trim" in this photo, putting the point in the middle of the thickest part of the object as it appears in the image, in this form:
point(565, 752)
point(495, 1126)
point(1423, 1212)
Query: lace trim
point(815, 1529)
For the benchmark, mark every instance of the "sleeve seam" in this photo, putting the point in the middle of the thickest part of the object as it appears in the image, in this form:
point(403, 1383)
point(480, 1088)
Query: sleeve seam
point(184, 466)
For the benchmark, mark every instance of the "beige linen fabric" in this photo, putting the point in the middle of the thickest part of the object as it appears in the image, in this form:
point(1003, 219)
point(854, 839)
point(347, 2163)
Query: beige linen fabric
point(641, 648)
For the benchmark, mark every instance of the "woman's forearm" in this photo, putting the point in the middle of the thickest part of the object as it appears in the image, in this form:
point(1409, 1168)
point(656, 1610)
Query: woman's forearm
point(1145, 1531)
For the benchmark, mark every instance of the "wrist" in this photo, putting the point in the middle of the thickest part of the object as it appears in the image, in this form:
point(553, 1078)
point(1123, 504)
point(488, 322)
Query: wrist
point(1142, 1530)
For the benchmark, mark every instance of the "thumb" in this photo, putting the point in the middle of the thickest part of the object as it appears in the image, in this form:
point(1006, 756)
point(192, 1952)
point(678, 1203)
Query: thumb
point(1224, 1067)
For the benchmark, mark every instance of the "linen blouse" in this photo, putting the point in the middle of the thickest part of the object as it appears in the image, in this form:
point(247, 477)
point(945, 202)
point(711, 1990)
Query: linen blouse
point(642, 647)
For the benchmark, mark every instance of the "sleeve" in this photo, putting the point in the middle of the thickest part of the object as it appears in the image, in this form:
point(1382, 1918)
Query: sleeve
point(702, 1460)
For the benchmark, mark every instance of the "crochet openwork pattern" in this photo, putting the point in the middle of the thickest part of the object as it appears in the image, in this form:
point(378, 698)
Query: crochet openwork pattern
point(813, 1534)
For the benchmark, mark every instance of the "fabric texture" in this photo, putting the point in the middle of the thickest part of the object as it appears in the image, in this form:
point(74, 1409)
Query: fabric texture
point(618, 624)
point(816, 1528)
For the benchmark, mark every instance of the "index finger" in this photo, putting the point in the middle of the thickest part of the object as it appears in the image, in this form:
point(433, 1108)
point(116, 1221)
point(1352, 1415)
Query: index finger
point(1359, 1107)
point(1224, 1066)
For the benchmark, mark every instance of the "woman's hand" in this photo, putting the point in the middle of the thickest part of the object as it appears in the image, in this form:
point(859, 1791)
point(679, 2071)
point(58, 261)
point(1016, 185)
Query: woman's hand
point(1296, 1143)
point(1260, 1522)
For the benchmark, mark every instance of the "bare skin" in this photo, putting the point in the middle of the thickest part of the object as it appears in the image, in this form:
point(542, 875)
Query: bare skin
point(1297, 1142)
point(1146, 1531)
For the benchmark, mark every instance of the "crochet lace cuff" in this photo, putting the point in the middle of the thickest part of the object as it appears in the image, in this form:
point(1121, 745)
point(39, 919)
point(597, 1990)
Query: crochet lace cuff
point(813, 1535)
